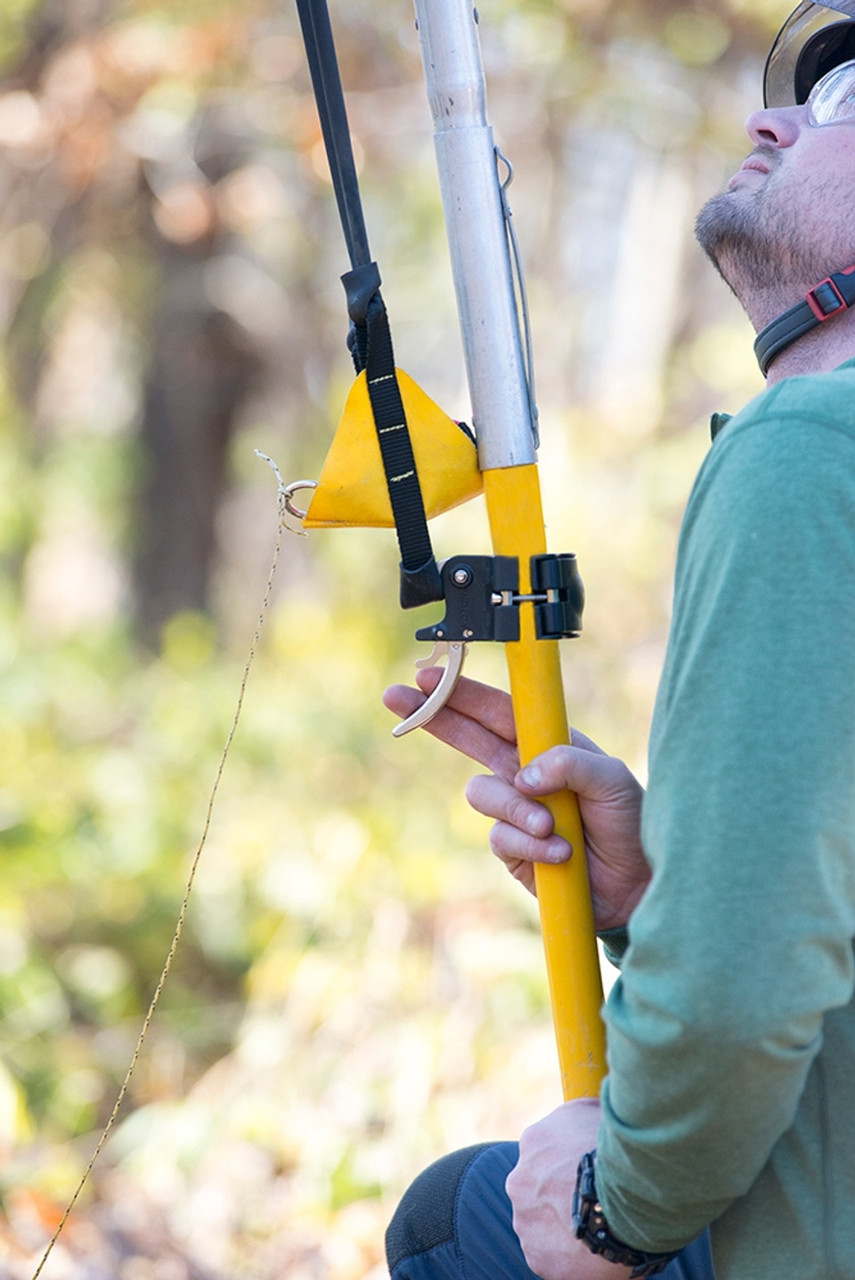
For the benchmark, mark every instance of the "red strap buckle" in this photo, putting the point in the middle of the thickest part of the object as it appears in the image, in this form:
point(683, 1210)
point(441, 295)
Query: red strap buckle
point(829, 306)
point(821, 312)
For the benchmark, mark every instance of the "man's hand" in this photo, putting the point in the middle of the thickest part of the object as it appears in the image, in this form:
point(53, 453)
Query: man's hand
point(541, 1192)
point(478, 721)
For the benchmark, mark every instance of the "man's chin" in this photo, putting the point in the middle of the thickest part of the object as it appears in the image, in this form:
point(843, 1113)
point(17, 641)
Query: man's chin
point(719, 222)
point(731, 233)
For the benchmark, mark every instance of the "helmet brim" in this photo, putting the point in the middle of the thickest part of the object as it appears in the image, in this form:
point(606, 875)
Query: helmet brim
point(814, 39)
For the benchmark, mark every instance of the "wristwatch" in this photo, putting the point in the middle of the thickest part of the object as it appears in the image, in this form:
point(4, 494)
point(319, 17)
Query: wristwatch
point(590, 1226)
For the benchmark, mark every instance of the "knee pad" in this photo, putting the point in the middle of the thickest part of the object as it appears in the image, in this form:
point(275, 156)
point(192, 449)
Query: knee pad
point(425, 1216)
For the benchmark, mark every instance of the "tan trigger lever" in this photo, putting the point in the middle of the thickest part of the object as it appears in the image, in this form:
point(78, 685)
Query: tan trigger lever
point(454, 652)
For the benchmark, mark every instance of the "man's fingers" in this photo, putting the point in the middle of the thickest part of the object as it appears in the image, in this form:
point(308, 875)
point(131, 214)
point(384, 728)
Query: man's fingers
point(523, 830)
point(581, 740)
point(474, 720)
point(403, 699)
point(497, 799)
point(591, 773)
point(490, 707)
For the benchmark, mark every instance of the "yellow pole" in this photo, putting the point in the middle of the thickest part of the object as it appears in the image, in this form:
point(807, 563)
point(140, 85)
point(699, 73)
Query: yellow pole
point(516, 524)
point(477, 221)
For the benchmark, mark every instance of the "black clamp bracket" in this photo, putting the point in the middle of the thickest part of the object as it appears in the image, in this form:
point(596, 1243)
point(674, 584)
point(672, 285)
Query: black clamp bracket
point(559, 596)
point(482, 599)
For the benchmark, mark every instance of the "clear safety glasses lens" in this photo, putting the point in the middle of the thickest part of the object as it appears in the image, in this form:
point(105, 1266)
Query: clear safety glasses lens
point(832, 98)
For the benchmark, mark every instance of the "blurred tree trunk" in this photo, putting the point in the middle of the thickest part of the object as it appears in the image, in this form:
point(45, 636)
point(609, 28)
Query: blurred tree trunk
point(52, 28)
point(201, 363)
point(199, 374)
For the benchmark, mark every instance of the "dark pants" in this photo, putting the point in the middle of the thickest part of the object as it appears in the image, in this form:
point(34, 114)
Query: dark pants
point(454, 1223)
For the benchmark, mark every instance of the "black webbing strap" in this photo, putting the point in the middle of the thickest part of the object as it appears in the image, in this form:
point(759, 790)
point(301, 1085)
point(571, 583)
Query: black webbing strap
point(827, 299)
point(420, 577)
point(326, 83)
point(369, 340)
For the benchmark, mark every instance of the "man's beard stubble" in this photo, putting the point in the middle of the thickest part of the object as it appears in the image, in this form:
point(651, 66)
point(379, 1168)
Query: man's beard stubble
point(755, 242)
point(732, 234)
point(738, 232)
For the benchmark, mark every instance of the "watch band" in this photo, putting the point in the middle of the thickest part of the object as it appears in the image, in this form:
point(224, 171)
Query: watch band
point(590, 1226)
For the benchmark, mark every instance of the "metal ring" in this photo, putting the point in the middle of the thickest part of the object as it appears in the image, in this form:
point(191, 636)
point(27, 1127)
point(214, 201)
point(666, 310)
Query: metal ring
point(289, 491)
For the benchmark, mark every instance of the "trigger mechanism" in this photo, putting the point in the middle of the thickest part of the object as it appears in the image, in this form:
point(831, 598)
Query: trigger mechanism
point(454, 651)
point(483, 602)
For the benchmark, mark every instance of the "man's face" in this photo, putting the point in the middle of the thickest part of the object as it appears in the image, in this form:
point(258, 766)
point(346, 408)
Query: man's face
point(785, 220)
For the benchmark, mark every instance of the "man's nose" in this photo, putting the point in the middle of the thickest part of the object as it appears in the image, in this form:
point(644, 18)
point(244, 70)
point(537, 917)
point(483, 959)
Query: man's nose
point(776, 126)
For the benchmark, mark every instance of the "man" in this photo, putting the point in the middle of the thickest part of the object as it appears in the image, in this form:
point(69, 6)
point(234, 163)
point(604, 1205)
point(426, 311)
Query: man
point(727, 1119)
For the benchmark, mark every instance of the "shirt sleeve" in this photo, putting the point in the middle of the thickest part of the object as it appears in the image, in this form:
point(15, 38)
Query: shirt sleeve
point(743, 940)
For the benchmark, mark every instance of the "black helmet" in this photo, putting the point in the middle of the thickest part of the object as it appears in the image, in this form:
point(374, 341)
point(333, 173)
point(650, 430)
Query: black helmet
point(814, 39)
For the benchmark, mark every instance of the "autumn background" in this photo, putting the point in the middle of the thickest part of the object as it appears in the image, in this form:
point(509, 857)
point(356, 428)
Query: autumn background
point(360, 986)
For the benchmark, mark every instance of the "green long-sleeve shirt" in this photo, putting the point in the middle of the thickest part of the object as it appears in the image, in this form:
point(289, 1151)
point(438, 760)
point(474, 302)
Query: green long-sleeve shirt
point(730, 1097)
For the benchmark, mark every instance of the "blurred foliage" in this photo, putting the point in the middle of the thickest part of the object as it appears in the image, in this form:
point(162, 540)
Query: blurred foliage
point(358, 989)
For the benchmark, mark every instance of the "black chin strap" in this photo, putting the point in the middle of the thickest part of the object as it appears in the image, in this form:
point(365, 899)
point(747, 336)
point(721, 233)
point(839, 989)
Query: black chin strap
point(828, 298)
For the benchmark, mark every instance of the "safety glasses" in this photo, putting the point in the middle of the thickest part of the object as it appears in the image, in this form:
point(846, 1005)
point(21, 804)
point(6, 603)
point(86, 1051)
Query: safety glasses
point(832, 99)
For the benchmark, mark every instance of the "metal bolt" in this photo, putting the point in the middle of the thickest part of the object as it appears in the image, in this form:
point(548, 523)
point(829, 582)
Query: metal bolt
point(462, 576)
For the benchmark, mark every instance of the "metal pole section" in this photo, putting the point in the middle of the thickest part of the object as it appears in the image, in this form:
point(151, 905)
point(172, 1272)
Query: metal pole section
point(480, 261)
point(484, 284)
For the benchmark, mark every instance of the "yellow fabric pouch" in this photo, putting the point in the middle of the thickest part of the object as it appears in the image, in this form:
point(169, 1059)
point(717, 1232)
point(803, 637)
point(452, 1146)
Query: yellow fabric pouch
point(351, 490)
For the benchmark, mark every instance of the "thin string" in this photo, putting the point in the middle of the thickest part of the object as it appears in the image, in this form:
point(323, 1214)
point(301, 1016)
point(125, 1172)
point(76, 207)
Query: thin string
point(194, 866)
